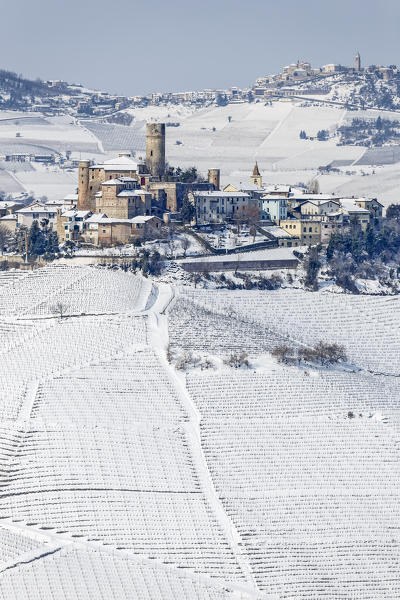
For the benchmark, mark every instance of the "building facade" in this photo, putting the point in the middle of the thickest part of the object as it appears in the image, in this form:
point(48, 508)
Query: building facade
point(219, 207)
point(274, 208)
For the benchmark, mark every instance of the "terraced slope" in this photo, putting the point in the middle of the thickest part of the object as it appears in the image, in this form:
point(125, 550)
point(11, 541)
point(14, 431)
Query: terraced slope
point(101, 469)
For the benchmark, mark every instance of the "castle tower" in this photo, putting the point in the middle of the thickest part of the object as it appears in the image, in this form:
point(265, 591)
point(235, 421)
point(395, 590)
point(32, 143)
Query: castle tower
point(155, 148)
point(214, 177)
point(256, 177)
point(358, 62)
point(83, 184)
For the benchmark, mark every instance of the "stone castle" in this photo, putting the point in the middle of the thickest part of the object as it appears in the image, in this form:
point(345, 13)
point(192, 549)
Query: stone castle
point(124, 187)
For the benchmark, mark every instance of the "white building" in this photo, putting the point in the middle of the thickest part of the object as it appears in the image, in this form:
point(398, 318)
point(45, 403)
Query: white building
point(217, 206)
point(36, 212)
point(319, 207)
point(274, 207)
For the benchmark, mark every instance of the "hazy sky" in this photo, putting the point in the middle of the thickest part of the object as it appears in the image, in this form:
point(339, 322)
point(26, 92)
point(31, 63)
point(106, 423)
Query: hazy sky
point(132, 47)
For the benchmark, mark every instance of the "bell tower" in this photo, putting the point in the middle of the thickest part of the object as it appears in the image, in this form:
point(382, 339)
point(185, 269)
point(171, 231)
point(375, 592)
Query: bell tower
point(256, 177)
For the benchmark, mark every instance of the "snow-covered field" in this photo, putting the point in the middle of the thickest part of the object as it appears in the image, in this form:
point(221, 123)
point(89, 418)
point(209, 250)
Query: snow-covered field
point(232, 138)
point(270, 134)
point(121, 477)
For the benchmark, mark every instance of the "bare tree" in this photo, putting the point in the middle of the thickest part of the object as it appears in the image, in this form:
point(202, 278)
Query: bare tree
point(284, 354)
point(4, 236)
point(185, 243)
point(171, 247)
point(313, 186)
point(59, 309)
point(196, 278)
point(248, 215)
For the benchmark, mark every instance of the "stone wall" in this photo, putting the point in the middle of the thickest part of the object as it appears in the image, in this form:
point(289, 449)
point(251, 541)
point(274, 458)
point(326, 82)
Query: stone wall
point(241, 265)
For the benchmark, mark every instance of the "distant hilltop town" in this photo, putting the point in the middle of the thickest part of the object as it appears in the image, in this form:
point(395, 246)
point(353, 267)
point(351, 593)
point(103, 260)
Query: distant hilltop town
point(298, 79)
point(302, 72)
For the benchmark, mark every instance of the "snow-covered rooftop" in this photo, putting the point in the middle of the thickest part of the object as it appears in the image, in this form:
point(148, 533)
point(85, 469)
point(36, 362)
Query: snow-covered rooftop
point(112, 182)
point(36, 208)
point(76, 213)
point(349, 204)
point(219, 194)
point(120, 163)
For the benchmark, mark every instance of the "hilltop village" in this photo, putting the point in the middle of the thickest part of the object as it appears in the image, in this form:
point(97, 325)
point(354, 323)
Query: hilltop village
point(58, 97)
point(128, 199)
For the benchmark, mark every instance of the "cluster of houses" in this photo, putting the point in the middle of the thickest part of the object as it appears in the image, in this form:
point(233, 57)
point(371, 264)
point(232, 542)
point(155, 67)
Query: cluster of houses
point(301, 72)
point(125, 199)
point(290, 215)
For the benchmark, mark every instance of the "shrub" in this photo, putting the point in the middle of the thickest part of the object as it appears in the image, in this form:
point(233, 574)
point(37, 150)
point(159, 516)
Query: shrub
point(206, 363)
point(323, 353)
point(347, 283)
point(237, 360)
point(186, 360)
point(284, 354)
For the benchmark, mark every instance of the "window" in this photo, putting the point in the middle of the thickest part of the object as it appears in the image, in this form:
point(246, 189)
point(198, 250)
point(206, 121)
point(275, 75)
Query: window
point(310, 229)
point(304, 229)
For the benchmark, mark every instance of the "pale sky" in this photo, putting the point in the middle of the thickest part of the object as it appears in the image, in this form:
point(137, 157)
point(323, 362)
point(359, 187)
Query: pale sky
point(131, 47)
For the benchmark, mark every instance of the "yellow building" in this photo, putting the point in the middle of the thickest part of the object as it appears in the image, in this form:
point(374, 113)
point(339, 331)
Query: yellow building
point(307, 230)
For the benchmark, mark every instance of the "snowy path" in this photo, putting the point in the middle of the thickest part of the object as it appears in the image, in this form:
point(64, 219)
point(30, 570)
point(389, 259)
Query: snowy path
point(158, 338)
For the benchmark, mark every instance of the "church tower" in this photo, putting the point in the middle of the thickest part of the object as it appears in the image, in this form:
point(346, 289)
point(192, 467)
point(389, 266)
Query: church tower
point(256, 177)
point(358, 62)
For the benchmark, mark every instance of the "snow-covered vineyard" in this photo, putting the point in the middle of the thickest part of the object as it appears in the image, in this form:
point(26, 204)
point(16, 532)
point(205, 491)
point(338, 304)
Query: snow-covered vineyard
point(121, 478)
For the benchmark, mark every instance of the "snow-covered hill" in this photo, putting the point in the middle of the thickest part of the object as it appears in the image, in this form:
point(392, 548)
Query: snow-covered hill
point(122, 478)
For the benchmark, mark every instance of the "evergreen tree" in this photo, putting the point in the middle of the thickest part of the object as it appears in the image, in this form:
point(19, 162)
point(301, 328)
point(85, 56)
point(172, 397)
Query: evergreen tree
point(36, 240)
point(322, 135)
point(370, 241)
point(393, 212)
point(221, 100)
point(312, 266)
point(52, 245)
point(333, 245)
point(188, 211)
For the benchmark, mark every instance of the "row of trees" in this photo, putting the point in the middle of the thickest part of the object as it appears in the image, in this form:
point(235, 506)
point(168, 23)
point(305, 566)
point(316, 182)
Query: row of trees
point(189, 175)
point(322, 135)
point(322, 353)
point(357, 254)
point(38, 240)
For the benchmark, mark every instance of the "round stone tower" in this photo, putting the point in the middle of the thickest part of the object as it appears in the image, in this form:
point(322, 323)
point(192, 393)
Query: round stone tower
point(214, 177)
point(83, 184)
point(155, 148)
